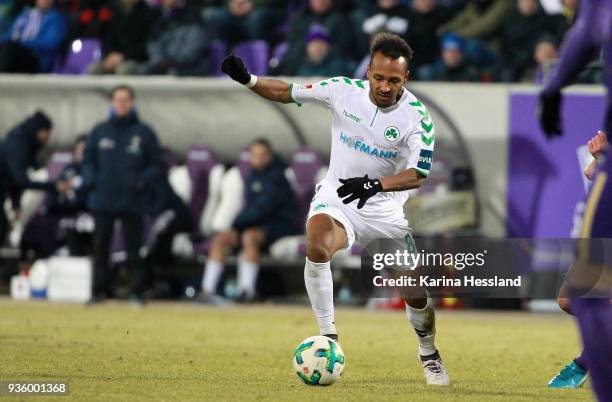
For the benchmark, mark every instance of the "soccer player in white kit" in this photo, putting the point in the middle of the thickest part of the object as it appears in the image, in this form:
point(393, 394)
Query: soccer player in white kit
point(381, 147)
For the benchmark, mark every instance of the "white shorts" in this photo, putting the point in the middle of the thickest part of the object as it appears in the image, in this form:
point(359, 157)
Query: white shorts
point(380, 219)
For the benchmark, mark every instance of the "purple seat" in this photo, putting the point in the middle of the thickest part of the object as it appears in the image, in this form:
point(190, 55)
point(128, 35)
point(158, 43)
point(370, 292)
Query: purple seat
point(306, 163)
point(81, 54)
point(255, 55)
point(58, 161)
point(200, 161)
point(218, 50)
point(278, 53)
point(244, 162)
point(362, 68)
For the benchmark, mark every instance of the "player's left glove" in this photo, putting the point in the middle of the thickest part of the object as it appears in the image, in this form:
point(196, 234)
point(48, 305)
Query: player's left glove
point(549, 111)
point(359, 188)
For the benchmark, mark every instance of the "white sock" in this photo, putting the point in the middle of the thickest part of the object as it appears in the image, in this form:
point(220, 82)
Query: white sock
point(424, 323)
point(212, 274)
point(247, 276)
point(320, 288)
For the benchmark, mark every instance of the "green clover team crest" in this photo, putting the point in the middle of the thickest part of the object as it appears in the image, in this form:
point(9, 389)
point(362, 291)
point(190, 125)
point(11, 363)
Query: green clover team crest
point(392, 134)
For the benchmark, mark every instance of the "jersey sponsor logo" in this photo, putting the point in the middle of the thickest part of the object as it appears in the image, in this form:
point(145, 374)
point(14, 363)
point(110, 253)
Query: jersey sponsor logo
point(392, 133)
point(351, 116)
point(358, 144)
point(425, 159)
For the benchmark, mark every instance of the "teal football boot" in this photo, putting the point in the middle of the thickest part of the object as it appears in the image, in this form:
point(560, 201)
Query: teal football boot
point(572, 376)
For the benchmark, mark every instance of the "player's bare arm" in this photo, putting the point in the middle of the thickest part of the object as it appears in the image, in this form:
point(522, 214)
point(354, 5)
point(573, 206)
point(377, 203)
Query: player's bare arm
point(274, 90)
point(405, 180)
point(364, 188)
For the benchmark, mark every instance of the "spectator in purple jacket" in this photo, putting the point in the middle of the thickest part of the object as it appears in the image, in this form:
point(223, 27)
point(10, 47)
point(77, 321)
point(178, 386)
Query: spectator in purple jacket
point(34, 39)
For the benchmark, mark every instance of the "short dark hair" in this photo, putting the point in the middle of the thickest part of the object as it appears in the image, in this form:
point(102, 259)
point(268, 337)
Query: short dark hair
point(390, 45)
point(123, 87)
point(79, 139)
point(262, 141)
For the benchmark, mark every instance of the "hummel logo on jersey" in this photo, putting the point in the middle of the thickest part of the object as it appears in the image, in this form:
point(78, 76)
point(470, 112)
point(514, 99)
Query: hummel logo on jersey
point(351, 116)
point(367, 186)
point(392, 134)
point(357, 144)
point(320, 206)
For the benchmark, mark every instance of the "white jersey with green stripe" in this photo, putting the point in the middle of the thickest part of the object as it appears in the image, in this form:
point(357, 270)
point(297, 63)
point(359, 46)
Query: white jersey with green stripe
point(370, 140)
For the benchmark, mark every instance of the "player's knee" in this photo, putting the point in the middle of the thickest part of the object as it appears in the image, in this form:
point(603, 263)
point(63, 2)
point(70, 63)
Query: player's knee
point(221, 240)
point(564, 304)
point(318, 252)
point(250, 238)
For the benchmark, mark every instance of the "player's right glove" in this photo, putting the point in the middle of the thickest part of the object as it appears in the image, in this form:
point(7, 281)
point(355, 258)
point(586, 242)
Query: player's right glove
point(234, 67)
point(549, 112)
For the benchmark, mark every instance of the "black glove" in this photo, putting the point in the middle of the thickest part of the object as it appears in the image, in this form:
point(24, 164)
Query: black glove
point(361, 188)
point(549, 111)
point(234, 67)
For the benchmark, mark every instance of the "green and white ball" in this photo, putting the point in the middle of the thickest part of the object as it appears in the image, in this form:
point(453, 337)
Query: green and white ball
point(318, 360)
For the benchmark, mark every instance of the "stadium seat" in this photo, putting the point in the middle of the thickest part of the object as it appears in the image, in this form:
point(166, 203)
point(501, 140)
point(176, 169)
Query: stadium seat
point(205, 173)
point(362, 68)
point(243, 163)
point(218, 50)
point(58, 161)
point(278, 53)
point(255, 55)
point(81, 54)
point(200, 161)
point(305, 164)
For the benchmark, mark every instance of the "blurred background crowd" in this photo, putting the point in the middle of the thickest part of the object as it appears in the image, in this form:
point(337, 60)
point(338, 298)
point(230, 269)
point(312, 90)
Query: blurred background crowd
point(453, 40)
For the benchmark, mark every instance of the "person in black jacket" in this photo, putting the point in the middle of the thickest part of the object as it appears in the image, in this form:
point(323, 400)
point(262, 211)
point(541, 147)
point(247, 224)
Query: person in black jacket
point(122, 160)
point(170, 216)
point(124, 46)
point(269, 213)
point(42, 235)
point(18, 153)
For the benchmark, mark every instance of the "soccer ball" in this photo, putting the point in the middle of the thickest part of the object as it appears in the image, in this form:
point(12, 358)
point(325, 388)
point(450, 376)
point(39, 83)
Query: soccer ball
point(318, 360)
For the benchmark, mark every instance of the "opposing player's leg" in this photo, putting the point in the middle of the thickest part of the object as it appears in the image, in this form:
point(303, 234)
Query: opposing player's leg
point(574, 374)
point(594, 315)
point(325, 235)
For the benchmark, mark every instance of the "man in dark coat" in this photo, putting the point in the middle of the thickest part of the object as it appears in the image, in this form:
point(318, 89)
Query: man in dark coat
point(269, 213)
point(18, 153)
point(121, 163)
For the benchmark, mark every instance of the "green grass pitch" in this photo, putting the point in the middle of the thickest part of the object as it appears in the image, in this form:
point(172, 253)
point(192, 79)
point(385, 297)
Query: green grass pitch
point(187, 352)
